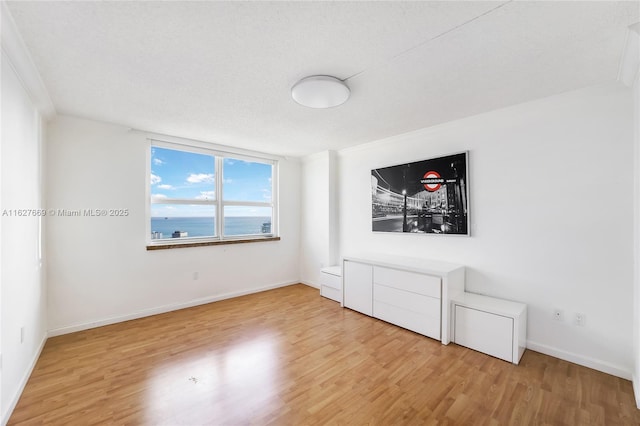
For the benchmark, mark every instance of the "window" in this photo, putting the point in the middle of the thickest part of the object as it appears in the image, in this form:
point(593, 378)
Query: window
point(198, 195)
point(247, 194)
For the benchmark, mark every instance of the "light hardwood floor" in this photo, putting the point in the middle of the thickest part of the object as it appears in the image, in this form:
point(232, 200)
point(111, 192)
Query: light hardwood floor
point(289, 356)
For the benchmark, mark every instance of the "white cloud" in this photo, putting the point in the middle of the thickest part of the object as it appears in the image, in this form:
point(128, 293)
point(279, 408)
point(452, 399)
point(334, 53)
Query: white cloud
point(158, 197)
point(155, 179)
point(158, 161)
point(166, 186)
point(200, 177)
point(206, 195)
point(228, 180)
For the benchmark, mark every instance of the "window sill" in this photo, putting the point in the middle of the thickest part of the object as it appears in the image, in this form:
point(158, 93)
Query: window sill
point(208, 243)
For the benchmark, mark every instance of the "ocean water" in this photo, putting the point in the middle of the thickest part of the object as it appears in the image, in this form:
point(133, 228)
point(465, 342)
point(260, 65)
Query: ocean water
point(204, 226)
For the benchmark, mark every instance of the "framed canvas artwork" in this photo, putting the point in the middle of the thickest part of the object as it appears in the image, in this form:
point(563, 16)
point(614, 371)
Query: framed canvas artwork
point(429, 196)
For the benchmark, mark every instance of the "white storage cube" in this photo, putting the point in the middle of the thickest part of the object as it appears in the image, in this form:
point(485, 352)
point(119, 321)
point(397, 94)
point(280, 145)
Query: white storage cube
point(493, 326)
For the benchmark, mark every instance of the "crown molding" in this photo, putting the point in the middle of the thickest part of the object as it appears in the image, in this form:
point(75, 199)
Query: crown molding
point(630, 60)
point(15, 51)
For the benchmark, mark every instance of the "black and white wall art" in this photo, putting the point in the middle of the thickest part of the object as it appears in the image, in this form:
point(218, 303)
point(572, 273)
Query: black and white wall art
point(429, 196)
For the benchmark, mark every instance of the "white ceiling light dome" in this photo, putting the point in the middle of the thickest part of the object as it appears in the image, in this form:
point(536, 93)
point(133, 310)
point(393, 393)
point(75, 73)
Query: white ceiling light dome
point(320, 91)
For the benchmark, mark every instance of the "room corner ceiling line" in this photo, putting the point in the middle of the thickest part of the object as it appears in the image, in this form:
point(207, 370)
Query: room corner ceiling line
point(422, 43)
point(630, 59)
point(15, 51)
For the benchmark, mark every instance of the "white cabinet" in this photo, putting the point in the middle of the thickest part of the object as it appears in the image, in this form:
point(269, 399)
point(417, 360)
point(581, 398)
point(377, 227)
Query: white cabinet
point(493, 326)
point(412, 293)
point(331, 283)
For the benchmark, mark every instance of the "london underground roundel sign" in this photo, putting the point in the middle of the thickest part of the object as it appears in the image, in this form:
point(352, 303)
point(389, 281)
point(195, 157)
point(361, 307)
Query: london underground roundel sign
point(431, 181)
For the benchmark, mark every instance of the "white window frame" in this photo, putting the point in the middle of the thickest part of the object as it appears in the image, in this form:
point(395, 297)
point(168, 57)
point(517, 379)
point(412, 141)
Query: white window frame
point(219, 203)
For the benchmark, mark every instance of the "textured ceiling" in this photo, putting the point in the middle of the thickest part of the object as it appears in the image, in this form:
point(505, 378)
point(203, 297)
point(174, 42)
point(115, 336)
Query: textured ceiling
point(222, 71)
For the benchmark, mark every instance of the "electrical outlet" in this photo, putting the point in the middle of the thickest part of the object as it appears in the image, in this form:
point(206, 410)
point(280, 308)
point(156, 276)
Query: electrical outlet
point(579, 319)
point(557, 315)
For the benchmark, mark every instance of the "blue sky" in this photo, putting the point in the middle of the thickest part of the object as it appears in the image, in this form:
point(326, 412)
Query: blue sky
point(188, 175)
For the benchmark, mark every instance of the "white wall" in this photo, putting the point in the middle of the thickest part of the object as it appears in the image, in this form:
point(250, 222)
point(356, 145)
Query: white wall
point(334, 218)
point(634, 44)
point(319, 239)
point(23, 295)
point(636, 215)
point(314, 232)
point(551, 199)
point(100, 271)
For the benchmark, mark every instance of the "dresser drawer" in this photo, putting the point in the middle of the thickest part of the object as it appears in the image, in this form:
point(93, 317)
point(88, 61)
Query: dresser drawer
point(331, 293)
point(418, 303)
point(418, 322)
point(331, 277)
point(427, 285)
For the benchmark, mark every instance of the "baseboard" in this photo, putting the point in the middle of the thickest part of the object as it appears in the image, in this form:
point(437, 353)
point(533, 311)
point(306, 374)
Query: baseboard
point(163, 309)
point(310, 284)
point(25, 378)
point(585, 361)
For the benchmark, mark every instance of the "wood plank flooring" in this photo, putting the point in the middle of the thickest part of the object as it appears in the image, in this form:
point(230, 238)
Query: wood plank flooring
point(290, 357)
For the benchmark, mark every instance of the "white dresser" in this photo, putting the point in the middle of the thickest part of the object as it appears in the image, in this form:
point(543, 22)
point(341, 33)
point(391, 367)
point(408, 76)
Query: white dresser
point(410, 292)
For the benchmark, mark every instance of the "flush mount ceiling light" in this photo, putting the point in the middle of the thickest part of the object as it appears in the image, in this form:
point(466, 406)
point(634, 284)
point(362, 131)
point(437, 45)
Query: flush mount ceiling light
point(320, 91)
